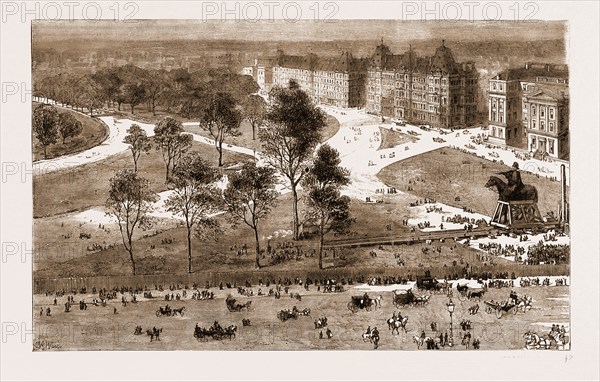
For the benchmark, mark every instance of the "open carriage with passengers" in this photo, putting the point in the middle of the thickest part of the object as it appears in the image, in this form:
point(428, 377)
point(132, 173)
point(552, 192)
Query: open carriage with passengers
point(234, 306)
point(360, 302)
point(403, 298)
point(500, 307)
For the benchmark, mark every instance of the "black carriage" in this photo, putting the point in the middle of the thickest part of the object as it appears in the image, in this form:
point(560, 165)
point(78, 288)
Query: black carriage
point(166, 311)
point(216, 332)
point(403, 298)
point(287, 314)
point(430, 284)
point(360, 302)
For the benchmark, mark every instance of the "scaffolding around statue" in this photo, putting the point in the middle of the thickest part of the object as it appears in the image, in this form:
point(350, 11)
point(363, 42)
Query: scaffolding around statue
point(517, 214)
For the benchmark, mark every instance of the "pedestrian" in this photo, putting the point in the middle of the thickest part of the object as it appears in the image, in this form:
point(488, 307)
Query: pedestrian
point(41, 311)
point(446, 338)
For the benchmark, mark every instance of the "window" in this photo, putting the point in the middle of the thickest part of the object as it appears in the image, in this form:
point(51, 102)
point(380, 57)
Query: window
point(542, 112)
point(494, 85)
point(533, 110)
point(542, 125)
point(551, 146)
point(532, 146)
point(551, 113)
point(551, 126)
point(533, 124)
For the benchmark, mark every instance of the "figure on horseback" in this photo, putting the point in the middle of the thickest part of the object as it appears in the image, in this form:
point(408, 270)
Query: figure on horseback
point(514, 189)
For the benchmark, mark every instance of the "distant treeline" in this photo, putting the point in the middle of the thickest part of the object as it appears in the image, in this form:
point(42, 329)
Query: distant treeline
point(178, 91)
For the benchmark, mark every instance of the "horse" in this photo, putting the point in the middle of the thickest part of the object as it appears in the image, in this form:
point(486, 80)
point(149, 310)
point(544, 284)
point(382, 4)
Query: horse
point(421, 340)
point(477, 294)
point(376, 302)
point(396, 324)
point(527, 192)
point(179, 310)
point(154, 333)
point(533, 341)
point(304, 312)
point(474, 309)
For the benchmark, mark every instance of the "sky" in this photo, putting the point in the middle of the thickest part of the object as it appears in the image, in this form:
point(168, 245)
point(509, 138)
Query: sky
point(299, 31)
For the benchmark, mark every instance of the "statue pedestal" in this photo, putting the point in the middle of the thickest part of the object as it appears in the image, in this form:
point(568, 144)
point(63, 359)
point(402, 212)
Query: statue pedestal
point(517, 214)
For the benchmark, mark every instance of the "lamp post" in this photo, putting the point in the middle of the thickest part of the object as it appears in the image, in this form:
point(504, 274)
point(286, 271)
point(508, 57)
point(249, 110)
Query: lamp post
point(450, 305)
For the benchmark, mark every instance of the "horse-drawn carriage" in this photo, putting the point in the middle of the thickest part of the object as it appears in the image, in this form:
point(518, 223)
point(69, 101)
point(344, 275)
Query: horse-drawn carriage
point(403, 298)
point(430, 284)
point(293, 313)
point(216, 332)
point(233, 306)
point(168, 311)
point(500, 307)
point(360, 302)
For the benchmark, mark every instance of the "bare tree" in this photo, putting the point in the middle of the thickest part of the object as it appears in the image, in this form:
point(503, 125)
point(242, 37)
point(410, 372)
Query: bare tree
point(130, 200)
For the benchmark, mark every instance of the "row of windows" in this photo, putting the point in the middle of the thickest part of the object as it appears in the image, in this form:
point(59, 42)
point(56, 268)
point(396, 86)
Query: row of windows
point(542, 125)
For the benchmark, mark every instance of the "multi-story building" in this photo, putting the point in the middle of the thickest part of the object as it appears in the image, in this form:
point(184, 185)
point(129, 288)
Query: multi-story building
point(335, 81)
point(262, 74)
point(546, 119)
point(506, 111)
point(432, 90)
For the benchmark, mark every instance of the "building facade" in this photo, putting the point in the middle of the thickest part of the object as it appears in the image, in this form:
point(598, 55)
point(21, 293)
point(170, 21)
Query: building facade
point(434, 90)
point(337, 81)
point(262, 74)
point(507, 119)
point(546, 119)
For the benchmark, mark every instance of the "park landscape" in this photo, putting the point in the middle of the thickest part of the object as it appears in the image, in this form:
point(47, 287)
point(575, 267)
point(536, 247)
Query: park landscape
point(156, 190)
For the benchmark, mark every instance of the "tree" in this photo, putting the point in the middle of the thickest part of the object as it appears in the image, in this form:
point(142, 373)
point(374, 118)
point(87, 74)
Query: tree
point(68, 126)
point(293, 131)
point(221, 119)
point(172, 142)
point(155, 87)
point(134, 94)
point(255, 110)
point(250, 196)
point(195, 197)
point(326, 207)
point(138, 142)
point(45, 129)
point(130, 200)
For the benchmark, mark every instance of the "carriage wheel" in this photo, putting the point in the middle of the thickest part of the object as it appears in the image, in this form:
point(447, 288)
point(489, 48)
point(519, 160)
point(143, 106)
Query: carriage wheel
point(352, 307)
point(462, 297)
point(397, 304)
point(368, 307)
point(158, 313)
point(499, 312)
point(516, 309)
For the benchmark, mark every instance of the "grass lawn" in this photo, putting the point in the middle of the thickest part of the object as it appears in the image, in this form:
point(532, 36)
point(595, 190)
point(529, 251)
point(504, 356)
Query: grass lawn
point(93, 133)
point(70, 258)
point(449, 173)
point(390, 139)
point(87, 185)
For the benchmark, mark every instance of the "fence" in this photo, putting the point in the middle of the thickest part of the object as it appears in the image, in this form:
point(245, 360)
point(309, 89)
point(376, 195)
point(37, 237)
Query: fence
point(253, 277)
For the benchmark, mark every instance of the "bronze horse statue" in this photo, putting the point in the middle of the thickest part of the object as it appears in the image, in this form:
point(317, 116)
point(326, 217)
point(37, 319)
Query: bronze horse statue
point(527, 192)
